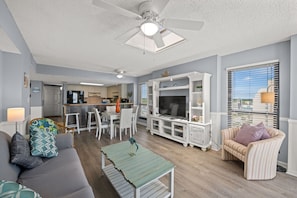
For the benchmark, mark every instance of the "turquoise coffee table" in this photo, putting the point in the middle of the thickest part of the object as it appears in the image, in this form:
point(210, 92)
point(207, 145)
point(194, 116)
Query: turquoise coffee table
point(138, 175)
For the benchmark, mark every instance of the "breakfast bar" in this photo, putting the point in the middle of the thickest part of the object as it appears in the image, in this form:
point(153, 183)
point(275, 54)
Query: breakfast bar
point(84, 108)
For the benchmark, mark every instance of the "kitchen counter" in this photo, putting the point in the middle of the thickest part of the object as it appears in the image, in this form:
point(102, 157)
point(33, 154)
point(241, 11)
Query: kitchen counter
point(84, 108)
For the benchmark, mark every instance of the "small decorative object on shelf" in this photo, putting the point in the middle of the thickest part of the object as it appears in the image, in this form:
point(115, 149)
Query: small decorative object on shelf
point(133, 142)
point(199, 102)
point(195, 118)
point(118, 106)
point(165, 73)
point(199, 88)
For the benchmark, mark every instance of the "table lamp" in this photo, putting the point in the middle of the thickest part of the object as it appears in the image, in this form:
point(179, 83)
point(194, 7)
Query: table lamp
point(267, 97)
point(15, 115)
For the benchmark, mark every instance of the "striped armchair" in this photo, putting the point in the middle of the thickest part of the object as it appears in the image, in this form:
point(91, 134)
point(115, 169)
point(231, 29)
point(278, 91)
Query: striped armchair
point(260, 157)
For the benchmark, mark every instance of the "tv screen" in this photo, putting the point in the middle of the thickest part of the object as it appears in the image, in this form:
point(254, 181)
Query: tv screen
point(173, 106)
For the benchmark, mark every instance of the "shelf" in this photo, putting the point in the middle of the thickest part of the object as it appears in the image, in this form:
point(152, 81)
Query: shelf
point(125, 189)
point(178, 130)
point(197, 92)
point(197, 108)
point(174, 88)
point(167, 127)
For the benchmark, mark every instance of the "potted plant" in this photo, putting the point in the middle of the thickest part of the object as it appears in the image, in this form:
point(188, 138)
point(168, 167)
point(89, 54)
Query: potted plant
point(199, 88)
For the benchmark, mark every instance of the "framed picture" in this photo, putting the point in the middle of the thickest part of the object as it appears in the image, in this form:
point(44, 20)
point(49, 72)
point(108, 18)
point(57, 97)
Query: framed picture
point(26, 80)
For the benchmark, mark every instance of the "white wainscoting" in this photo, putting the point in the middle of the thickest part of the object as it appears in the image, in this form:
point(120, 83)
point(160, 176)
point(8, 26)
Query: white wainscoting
point(216, 131)
point(36, 112)
point(9, 127)
point(292, 148)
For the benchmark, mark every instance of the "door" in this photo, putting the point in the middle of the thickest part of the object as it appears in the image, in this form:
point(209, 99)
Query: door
point(52, 101)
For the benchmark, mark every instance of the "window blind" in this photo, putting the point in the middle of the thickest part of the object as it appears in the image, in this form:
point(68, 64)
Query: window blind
point(245, 86)
point(143, 100)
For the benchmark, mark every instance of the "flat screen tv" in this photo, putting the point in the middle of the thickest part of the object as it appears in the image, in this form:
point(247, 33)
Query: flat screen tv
point(172, 106)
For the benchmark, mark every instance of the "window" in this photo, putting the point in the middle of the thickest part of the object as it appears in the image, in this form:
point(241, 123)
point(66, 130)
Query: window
point(143, 100)
point(245, 87)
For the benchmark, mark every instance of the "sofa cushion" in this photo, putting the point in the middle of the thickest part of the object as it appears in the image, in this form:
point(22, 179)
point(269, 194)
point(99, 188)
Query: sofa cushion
point(8, 171)
point(13, 189)
point(20, 152)
point(63, 173)
point(248, 134)
point(43, 143)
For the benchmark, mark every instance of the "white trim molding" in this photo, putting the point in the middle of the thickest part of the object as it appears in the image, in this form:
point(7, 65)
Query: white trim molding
point(216, 131)
point(292, 148)
point(252, 65)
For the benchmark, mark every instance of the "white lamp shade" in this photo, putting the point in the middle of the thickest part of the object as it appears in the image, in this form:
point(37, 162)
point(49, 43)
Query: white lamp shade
point(149, 28)
point(267, 97)
point(15, 114)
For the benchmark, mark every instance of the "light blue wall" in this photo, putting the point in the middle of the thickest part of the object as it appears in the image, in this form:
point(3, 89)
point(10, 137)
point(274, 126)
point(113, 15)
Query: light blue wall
point(14, 94)
point(278, 51)
point(217, 65)
point(205, 65)
point(63, 71)
point(293, 72)
point(1, 83)
point(36, 97)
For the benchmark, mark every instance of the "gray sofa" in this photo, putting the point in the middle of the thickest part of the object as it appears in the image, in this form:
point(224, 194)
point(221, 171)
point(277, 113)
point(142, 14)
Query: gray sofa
point(61, 176)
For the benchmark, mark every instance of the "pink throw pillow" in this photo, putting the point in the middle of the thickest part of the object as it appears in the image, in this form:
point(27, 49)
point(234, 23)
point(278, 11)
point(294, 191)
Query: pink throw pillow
point(248, 134)
point(265, 135)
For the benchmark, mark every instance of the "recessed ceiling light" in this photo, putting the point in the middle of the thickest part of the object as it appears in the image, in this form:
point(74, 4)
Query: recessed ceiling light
point(93, 84)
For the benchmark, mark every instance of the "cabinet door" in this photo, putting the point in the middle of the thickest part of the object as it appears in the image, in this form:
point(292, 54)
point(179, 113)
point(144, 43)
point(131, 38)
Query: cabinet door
point(179, 130)
point(166, 127)
point(197, 134)
point(155, 125)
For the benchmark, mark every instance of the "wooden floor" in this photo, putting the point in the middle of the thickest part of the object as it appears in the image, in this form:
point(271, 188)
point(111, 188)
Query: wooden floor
point(197, 173)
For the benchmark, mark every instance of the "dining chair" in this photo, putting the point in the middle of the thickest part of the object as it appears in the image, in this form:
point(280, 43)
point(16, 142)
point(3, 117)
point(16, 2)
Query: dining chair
point(125, 122)
point(101, 125)
point(134, 118)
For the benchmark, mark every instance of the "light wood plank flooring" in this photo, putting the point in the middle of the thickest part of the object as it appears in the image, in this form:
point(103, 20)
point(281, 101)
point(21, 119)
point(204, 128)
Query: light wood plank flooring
point(197, 173)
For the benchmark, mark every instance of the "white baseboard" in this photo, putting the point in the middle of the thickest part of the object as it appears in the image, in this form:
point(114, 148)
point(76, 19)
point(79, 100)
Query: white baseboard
point(282, 164)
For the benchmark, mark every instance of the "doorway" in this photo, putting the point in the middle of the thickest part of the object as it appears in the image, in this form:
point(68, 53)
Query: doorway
point(52, 101)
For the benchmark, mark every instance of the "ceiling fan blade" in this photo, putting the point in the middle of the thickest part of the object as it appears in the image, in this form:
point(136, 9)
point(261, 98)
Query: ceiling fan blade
point(116, 9)
point(159, 5)
point(127, 35)
point(158, 40)
point(183, 24)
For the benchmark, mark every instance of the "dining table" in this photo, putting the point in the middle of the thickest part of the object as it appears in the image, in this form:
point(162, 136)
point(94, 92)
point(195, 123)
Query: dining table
point(111, 116)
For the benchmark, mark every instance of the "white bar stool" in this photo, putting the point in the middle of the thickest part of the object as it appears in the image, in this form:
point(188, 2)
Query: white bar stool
point(91, 125)
point(69, 125)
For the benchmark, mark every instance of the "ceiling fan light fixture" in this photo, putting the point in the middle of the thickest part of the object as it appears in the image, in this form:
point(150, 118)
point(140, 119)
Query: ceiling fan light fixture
point(120, 73)
point(149, 28)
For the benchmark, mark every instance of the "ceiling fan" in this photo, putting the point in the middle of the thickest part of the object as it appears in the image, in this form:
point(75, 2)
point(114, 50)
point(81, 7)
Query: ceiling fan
point(151, 25)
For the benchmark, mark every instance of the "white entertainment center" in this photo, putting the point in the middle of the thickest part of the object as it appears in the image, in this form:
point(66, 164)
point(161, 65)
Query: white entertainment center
point(194, 128)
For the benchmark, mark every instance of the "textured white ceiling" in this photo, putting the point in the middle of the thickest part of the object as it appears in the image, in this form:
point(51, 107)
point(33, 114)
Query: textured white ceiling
point(77, 34)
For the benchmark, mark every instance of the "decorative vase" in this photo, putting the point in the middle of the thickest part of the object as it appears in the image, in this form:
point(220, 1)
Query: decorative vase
point(118, 106)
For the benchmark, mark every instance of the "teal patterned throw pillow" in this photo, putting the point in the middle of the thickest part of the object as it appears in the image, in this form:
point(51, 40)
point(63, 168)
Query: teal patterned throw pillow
point(43, 143)
point(9, 189)
point(44, 124)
